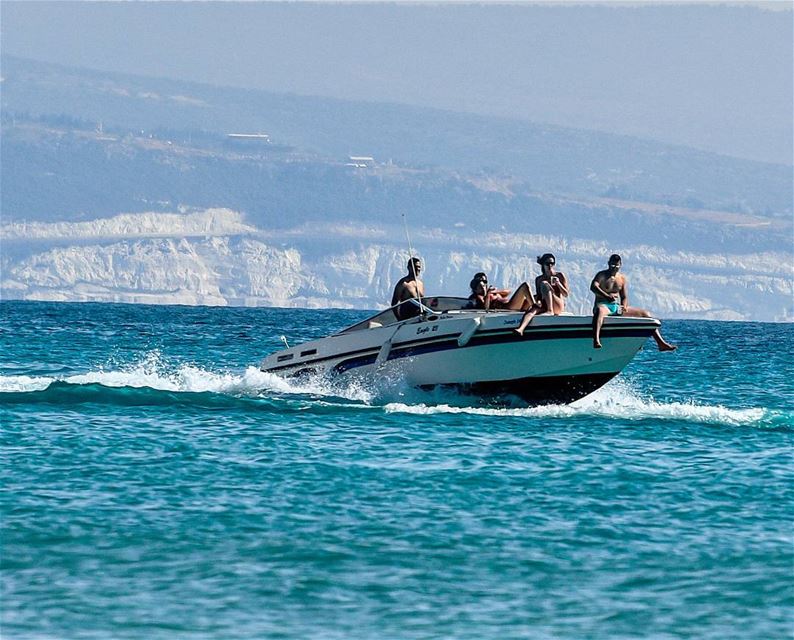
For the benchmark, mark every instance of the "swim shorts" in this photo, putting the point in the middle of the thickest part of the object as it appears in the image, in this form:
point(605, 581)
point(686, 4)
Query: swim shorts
point(614, 307)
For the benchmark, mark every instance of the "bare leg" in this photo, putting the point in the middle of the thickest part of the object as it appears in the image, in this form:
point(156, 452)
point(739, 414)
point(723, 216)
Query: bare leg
point(598, 319)
point(521, 300)
point(547, 296)
point(661, 343)
point(527, 319)
point(559, 304)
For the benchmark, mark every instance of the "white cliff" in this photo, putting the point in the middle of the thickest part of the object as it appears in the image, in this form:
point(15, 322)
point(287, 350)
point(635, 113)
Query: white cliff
point(210, 222)
point(214, 258)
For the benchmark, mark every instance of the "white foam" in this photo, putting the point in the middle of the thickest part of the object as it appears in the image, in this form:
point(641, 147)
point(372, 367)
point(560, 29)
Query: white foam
point(615, 401)
point(154, 373)
point(17, 384)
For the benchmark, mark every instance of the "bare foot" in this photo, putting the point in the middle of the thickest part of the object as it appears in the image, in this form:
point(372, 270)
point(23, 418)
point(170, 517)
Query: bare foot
point(596, 345)
point(666, 346)
point(519, 331)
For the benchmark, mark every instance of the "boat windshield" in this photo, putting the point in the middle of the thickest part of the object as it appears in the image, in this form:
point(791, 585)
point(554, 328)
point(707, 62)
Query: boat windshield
point(436, 304)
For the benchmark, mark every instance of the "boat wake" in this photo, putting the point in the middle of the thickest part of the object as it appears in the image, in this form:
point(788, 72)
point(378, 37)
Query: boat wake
point(153, 381)
point(617, 400)
point(185, 378)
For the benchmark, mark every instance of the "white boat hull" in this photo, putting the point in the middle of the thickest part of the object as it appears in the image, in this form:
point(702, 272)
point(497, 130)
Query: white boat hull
point(478, 353)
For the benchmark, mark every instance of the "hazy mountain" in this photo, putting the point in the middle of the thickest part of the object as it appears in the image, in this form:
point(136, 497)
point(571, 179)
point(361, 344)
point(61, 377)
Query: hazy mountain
point(544, 159)
point(292, 221)
point(712, 76)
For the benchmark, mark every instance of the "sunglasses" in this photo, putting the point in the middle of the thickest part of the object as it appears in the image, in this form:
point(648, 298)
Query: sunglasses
point(549, 264)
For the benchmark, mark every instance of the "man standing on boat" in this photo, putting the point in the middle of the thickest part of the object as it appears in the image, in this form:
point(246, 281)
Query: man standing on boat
point(611, 291)
point(407, 288)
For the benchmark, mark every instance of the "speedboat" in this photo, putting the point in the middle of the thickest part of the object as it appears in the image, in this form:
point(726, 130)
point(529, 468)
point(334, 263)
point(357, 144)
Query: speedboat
point(475, 351)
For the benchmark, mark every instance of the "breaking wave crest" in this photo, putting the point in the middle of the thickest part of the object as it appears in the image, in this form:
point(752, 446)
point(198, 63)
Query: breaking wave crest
point(153, 381)
point(618, 400)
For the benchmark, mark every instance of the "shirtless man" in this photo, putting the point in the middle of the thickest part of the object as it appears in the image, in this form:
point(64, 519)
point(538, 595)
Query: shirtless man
point(408, 287)
point(611, 291)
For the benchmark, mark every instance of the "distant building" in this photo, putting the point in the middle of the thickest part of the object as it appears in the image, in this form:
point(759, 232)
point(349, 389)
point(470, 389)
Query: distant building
point(100, 134)
point(361, 161)
point(255, 137)
point(247, 139)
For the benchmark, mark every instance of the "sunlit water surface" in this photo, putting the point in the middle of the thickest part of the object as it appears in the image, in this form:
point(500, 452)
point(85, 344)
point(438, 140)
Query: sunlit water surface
point(156, 484)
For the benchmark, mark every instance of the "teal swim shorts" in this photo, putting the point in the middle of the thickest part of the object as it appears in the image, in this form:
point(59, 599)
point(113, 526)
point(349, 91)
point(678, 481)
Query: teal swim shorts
point(614, 307)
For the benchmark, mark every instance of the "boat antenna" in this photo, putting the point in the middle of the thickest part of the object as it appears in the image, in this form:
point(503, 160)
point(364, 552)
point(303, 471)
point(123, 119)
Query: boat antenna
point(410, 253)
point(284, 340)
point(408, 238)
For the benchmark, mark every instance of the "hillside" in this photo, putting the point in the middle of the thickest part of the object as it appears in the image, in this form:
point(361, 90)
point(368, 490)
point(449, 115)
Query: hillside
point(549, 159)
point(132, 191)
point(57, 172)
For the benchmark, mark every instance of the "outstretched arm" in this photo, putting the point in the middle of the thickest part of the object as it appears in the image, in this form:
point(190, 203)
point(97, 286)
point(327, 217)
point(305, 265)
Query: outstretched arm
point(498, 295)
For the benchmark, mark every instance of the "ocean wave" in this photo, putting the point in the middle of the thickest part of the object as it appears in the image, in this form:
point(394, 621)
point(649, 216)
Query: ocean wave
point(22, 384)
point(154, 381)
point(154, 374)
point(618, 400)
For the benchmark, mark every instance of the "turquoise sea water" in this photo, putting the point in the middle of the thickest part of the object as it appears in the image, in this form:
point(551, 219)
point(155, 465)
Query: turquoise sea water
point(156, 484)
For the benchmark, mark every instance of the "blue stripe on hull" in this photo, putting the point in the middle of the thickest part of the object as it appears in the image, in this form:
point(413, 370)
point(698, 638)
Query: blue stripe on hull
point(483, 340)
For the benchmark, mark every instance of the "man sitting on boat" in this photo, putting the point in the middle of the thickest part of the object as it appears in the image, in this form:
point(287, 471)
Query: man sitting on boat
point(488, 297)
point(612, 299)
point(407, 288)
